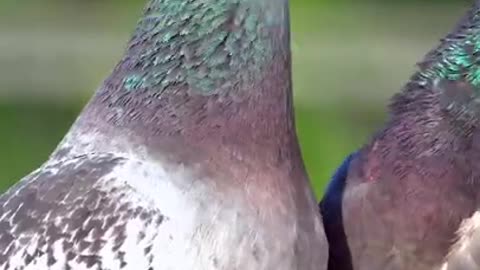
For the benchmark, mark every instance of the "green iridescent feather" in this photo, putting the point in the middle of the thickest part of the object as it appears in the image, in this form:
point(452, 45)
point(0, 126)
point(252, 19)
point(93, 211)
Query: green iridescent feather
point(215, 44)
point(460, 60)
point(458, 56)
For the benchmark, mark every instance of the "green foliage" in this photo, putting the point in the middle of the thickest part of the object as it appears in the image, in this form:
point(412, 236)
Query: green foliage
point(328, 135)
point(33, 132)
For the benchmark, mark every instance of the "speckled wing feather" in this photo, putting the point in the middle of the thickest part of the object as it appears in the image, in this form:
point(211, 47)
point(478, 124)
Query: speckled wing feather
point(73, 215)
point(101, 211)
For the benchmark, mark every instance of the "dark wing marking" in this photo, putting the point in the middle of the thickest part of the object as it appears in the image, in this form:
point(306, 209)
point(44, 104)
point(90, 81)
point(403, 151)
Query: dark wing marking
point(61, 208)
point(331, 209)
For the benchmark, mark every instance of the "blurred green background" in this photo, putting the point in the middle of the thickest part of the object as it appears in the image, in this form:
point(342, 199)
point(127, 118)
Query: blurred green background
point(349, 57)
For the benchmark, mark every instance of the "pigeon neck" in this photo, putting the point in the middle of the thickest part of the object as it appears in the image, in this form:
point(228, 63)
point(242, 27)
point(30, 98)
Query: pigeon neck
point(449, 76)
point(209, 47)
point(208, 73)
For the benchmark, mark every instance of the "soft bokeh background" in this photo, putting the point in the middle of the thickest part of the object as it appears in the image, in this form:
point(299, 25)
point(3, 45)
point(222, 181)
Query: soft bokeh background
point(349, 57)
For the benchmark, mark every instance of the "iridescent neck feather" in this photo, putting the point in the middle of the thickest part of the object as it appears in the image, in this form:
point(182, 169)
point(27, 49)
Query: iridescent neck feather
point(202, 72)
point(449, 76)
point(208, 46)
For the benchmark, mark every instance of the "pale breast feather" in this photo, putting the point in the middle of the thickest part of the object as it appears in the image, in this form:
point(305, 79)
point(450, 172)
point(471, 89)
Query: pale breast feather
point(465, 253)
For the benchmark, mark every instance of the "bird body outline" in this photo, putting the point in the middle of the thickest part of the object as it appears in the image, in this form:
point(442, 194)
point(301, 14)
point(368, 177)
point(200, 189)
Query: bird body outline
point(185, 158)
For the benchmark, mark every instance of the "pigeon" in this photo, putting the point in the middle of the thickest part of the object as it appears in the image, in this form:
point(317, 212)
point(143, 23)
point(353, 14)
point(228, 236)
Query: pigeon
point(409, 199)
point(186, 157)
